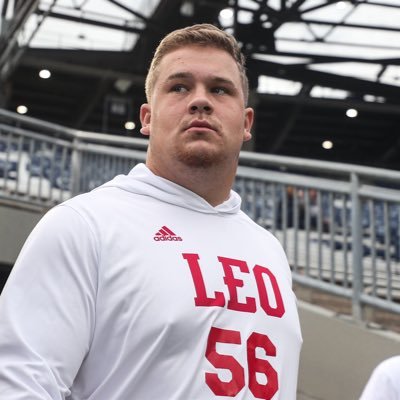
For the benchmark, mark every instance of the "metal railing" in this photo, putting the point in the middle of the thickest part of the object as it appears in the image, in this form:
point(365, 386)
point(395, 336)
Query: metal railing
point(339, 223)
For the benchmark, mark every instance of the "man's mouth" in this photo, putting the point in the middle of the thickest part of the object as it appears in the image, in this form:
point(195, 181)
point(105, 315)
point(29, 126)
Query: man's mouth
point(200, 125)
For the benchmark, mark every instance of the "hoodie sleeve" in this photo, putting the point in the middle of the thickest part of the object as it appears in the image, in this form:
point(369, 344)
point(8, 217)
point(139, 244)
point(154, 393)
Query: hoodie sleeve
point(47, 309)
point(383, 382)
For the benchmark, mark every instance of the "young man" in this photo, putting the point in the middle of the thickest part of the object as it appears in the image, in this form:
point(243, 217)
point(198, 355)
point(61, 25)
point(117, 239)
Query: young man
point(156, 285)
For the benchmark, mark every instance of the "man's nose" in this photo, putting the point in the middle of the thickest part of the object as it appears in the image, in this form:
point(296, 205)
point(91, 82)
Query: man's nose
point(200, 103)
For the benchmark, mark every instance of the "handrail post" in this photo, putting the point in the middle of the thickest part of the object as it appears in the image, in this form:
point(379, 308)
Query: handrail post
point(356, 232)
point(76, 161)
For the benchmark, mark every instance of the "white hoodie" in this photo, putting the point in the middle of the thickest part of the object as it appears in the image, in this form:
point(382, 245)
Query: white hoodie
point(141, 290)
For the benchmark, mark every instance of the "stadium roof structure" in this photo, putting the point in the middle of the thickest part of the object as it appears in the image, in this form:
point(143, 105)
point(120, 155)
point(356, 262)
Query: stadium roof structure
point(324, 74)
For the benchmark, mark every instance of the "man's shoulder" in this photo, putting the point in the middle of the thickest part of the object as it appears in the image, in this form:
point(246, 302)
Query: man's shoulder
point(389, 366)
point(96, 197)
point(254, 225)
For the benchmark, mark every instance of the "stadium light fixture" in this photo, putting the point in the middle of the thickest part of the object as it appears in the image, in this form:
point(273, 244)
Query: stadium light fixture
point(44, 73)
point(352, 113)
point(21, 109)
point(130, 125)
point(327, 144)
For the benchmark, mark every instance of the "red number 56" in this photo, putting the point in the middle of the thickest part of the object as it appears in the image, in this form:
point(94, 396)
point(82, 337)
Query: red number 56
point(255, 365)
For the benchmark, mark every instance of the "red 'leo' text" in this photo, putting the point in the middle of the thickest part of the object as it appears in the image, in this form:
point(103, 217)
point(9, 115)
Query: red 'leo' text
point(232, 269)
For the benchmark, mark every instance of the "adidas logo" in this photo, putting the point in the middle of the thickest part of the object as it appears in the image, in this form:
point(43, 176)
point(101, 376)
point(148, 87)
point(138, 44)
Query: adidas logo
point(165, 234)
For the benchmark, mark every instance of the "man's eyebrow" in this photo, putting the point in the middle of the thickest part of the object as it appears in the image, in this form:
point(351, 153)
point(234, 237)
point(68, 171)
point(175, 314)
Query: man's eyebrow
point(189, 75)
point(225, 81)
point(179, 75)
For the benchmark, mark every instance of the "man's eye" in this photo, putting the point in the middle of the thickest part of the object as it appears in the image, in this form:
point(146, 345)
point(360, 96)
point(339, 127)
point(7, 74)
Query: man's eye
point(178, 89)
point(220, 90)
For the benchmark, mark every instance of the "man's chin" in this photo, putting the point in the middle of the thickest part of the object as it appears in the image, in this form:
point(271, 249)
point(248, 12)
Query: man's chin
point(199, 159)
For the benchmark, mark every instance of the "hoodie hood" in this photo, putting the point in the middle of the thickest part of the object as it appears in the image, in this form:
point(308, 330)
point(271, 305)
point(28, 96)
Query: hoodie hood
point(142, 181)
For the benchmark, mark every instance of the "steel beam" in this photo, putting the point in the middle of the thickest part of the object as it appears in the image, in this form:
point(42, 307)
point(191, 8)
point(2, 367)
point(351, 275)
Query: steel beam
point(75, 69)
point(313, 77)
point(382, 108)
point(138, 15)
point(9, 42)
point(348, 25)
point(89, 21)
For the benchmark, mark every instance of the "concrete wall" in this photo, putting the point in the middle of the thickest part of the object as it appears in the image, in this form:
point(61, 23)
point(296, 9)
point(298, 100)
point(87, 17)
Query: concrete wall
point(16, 222)
point(339, 355)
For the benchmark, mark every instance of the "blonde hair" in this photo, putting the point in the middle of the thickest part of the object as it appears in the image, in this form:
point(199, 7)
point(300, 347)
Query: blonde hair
point(201, 35)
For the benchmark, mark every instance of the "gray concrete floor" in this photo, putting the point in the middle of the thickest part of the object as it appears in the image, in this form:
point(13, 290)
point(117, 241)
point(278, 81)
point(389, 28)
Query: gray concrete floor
point(302, 396)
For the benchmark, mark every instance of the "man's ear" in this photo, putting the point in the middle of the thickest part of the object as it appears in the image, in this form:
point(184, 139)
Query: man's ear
point(248, 123)
point(247, 136)
point(145, 119)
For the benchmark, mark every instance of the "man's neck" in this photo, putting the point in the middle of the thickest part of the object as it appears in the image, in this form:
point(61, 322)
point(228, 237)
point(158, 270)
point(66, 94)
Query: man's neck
point(211, 183)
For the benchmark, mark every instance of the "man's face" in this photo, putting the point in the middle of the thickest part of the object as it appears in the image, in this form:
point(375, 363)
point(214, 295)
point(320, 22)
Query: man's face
point(196, 114)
